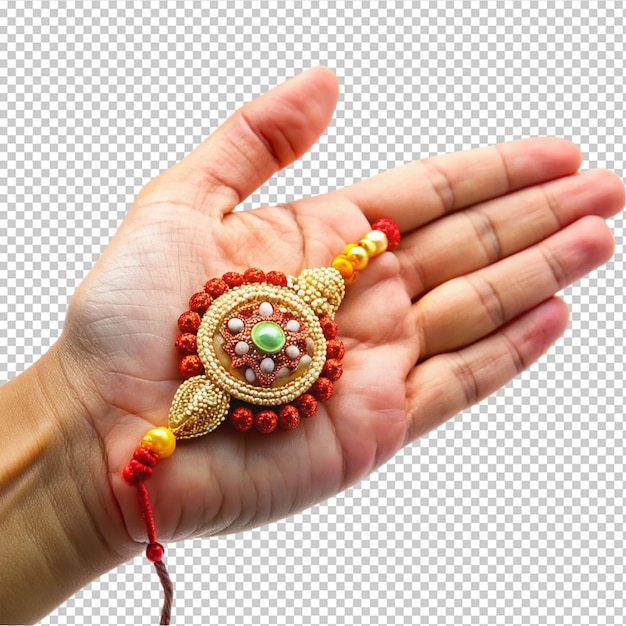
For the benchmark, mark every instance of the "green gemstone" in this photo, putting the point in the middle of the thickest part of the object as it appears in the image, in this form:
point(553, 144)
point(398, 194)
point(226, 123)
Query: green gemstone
point(268, 337)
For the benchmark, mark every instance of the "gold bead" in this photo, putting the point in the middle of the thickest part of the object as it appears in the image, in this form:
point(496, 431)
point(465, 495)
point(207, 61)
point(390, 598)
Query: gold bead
point(358, 256)
point(342, 264)
point(379, 239)
point(368, 246)
point(160, 440)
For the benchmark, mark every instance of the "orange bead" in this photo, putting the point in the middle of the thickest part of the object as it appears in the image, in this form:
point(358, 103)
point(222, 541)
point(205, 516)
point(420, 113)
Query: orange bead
point(160, 440)
point(342, 264)
point(349, 281)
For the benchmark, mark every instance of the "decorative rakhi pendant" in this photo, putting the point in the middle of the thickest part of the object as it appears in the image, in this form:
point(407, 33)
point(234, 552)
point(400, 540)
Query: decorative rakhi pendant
point(260, 349)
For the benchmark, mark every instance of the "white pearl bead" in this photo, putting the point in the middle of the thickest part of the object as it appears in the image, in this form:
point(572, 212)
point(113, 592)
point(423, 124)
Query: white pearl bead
point(250, 375)
point(235, 325)
point(265, 309)
point(241, 348)
point(305, 361)
point(292, 352)
point(293, 326)
point(267, 365)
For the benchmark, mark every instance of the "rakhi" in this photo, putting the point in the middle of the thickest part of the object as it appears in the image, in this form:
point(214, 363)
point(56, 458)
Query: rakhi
point(259, 351)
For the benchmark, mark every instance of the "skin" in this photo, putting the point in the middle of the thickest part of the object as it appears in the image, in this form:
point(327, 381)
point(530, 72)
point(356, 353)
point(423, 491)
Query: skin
point(465, 304)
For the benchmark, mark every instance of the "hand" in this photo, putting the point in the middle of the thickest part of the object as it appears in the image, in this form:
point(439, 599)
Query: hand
point(465, 304)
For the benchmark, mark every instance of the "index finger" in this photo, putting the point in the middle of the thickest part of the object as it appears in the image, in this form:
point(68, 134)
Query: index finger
point(422, 191)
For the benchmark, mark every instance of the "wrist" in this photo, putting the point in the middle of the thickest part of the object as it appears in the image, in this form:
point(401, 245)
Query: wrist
point(55, 495)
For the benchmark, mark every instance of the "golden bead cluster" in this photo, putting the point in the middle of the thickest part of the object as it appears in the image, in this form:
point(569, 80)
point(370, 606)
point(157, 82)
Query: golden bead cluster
point(322, 288)
point(356, 256)
point(198, 408)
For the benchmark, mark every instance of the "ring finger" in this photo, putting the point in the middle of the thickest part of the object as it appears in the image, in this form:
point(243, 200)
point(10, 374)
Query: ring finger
point(470, 307)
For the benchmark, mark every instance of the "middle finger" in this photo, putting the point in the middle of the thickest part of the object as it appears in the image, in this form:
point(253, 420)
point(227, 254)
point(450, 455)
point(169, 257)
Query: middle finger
point(479, 236)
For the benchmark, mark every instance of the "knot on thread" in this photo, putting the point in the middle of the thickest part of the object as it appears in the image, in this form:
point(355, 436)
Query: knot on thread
point(140, 467)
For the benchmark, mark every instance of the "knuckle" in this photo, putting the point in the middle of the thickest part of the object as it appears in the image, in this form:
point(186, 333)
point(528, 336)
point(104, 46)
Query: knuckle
point(440, 184)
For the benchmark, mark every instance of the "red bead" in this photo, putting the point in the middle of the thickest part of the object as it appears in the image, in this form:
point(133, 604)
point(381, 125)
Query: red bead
point(242, 418)
point(200, 302)
point(215, 287)
point(335, 349)
point(390, 228)
point(187, 343)
point(306, 404)
point(322, 388)
point(189, 322)
point(289, 417)
point(154, 552)
point(190, 365)
point(233, 279)
point(329, 327)
point(254, 275)
point(266, 421)
point(276, 278)
point(333, 369)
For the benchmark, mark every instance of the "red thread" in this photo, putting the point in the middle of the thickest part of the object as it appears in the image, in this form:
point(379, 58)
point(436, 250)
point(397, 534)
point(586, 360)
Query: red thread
point(140, 466)
point(135, 473)
point(146, 512)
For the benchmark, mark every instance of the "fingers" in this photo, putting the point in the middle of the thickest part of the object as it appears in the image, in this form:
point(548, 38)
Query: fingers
point(467, 308)
point(476, 237)
point(420, 192)
point(261, 138)
point(448, 383)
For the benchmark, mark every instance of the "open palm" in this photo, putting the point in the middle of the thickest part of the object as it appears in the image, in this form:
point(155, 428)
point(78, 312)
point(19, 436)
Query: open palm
point(464, 304)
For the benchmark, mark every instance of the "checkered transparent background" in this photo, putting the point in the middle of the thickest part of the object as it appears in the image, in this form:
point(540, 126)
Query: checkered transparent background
point(509, 514)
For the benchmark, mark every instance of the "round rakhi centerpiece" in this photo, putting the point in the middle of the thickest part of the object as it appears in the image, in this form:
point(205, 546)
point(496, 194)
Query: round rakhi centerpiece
point(262, 343)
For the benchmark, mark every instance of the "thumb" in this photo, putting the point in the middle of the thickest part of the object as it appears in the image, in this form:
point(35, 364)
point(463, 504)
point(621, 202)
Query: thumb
point(259, 139)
